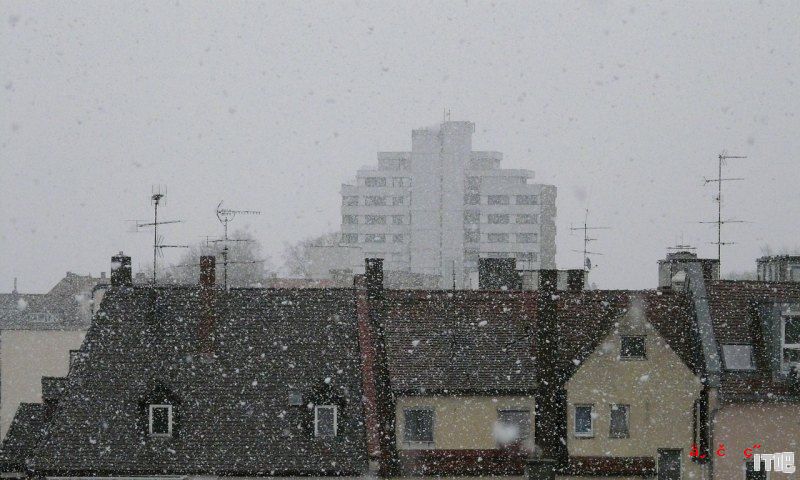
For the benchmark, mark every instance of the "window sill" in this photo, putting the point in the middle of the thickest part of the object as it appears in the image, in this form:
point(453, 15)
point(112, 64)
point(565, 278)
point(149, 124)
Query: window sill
point(632, 359)
point(419, 445)
point(584, 435)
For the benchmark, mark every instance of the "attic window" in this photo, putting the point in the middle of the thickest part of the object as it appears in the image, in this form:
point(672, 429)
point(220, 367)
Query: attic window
point(790, 339)
point(325, 421)
point(632, 348)
point(160, 420)
point(584, 414)
point(738, 357)
point(295, 398)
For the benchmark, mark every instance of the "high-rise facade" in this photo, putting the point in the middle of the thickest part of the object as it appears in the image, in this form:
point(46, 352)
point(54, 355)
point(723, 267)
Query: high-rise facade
point(440, 207)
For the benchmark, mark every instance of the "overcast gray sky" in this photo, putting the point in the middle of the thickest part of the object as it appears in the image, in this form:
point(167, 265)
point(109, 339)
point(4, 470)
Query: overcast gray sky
point(271, 106)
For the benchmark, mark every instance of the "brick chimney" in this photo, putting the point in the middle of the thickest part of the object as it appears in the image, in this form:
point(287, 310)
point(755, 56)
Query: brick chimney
point(208, 312)
point(121, 270)
point(380, 404)
point(576, 279)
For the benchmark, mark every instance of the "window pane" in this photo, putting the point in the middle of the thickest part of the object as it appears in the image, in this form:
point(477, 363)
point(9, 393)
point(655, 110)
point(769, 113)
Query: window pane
point(583, 419)
point(325, 421)
point(792, 331)
point(498, 218)
point(515, 425)
point(526, 200)
point(497, 200)
point(375, 181)
point(497, 238)
point(632, 347)
point(418, 425)
point(738, 357)
point(619, 421)
point(159, 420)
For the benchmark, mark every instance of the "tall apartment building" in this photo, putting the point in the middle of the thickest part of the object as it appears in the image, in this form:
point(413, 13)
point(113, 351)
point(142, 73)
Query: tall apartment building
point(438, 208)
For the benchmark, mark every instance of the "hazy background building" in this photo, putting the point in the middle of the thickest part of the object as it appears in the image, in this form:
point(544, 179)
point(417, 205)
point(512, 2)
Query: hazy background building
point(778, 268)
point(438, 208)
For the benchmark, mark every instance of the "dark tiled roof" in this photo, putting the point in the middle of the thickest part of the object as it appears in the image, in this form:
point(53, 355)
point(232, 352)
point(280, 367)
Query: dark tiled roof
point(232, 413)
point(65, 306)
point(470, 341)
point(23, 435)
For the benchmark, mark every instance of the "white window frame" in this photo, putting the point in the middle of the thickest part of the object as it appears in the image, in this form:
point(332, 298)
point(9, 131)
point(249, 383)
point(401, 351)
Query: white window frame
point(632, 358)
point(627, 408)
point(335, 420)
point(420, 443)
point(575, 431)
point(152, 407)
point(784, 345)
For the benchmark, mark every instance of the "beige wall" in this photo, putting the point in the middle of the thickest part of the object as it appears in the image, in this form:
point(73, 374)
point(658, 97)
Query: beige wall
point(25, 357)
point(776, 427)
point(462, 422)
point(660, 391)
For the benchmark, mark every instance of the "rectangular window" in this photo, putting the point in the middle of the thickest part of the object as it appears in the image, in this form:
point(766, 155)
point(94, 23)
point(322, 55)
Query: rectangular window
point(669, 464)
point(398, 238)
point(632, 348)
point(472, 237)
point(472, 217)
point(619, 421)
point(325, 421)
point(473, 183)
point(790, 338)
point(401, 182)
point(375, 201)
point(398, 200)
point(418, 425)
point(527, 200)
point(375, 238)
point(350, 200)
point(738, 357)
point(527, 237)
point(160, 421)
point(398, 219)
point(472, 199)
point(527, 218)
point(375, 219)
point(514, 425)
point(295, 399)
point(584, 420)
point(349, 238)
point(349, 219)
point(498, 218)
point(375, 181)
point(497, 238)
point(497, 200)
point(527, 256)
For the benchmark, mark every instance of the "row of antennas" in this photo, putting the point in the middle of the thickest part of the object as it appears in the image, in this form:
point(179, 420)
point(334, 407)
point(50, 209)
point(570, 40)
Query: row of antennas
point(224, 215)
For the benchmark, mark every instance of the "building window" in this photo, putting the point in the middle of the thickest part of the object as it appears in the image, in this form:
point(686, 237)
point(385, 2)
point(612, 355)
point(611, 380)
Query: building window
point(738, 357)
point(527, 200)
point(751, 474)
point(527, 238)
point(295, 398)
point(472, 217)
point(472, 199)
point(375, 181)
point(349, 219)
point(375, 219)
point(632, 348)
point(473, 183)
point(325, 421)
point(349, 238)
point(497, 200)
point(619, 421)
point(527, 218)
point(398, 238)
point(160, 420)
point(790, 338)
point(583, 420)
point(497, 238)
point(398, 200)
point(373, 201)
point(350, 200)
point(398, 219)
point(514, 426)
point(526, 257)
point(418, 425)
point(498, 218)
point(375, 238)
point(472, 237)
point(401, 182)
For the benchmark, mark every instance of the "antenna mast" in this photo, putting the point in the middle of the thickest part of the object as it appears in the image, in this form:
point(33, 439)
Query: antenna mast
point(722, 159)
point(587, 263)
point(225, 216)
point(157, 195)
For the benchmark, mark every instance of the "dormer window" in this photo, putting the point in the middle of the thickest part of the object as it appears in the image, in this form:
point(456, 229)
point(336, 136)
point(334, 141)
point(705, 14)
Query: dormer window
point(160, 420)
point(325, 421)
point(738, 357)
point(790, 340)
point(632, 348)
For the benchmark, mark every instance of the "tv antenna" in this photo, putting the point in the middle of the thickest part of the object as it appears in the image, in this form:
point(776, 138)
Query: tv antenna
point(722, 159)
point(158, 193)
point(587, 262)
point(225, 216)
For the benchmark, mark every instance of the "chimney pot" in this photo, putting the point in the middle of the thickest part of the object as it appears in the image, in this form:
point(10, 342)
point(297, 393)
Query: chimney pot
point(121, 270)
point(374, 274)
point(207, 271)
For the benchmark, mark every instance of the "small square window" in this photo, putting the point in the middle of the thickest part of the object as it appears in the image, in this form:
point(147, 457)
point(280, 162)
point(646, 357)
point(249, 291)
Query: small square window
point(350, 200)
point(418, 425)
point(497, 200)
point(515, 425)
point(738, 357)
point(398, 238)
point(160, 420)
point(398, 219)
point(398, 200)
point(619, 421)
point(472, 199)
point(295, 399)
point(584, 420)
point(633, 348)
point(325, 421)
